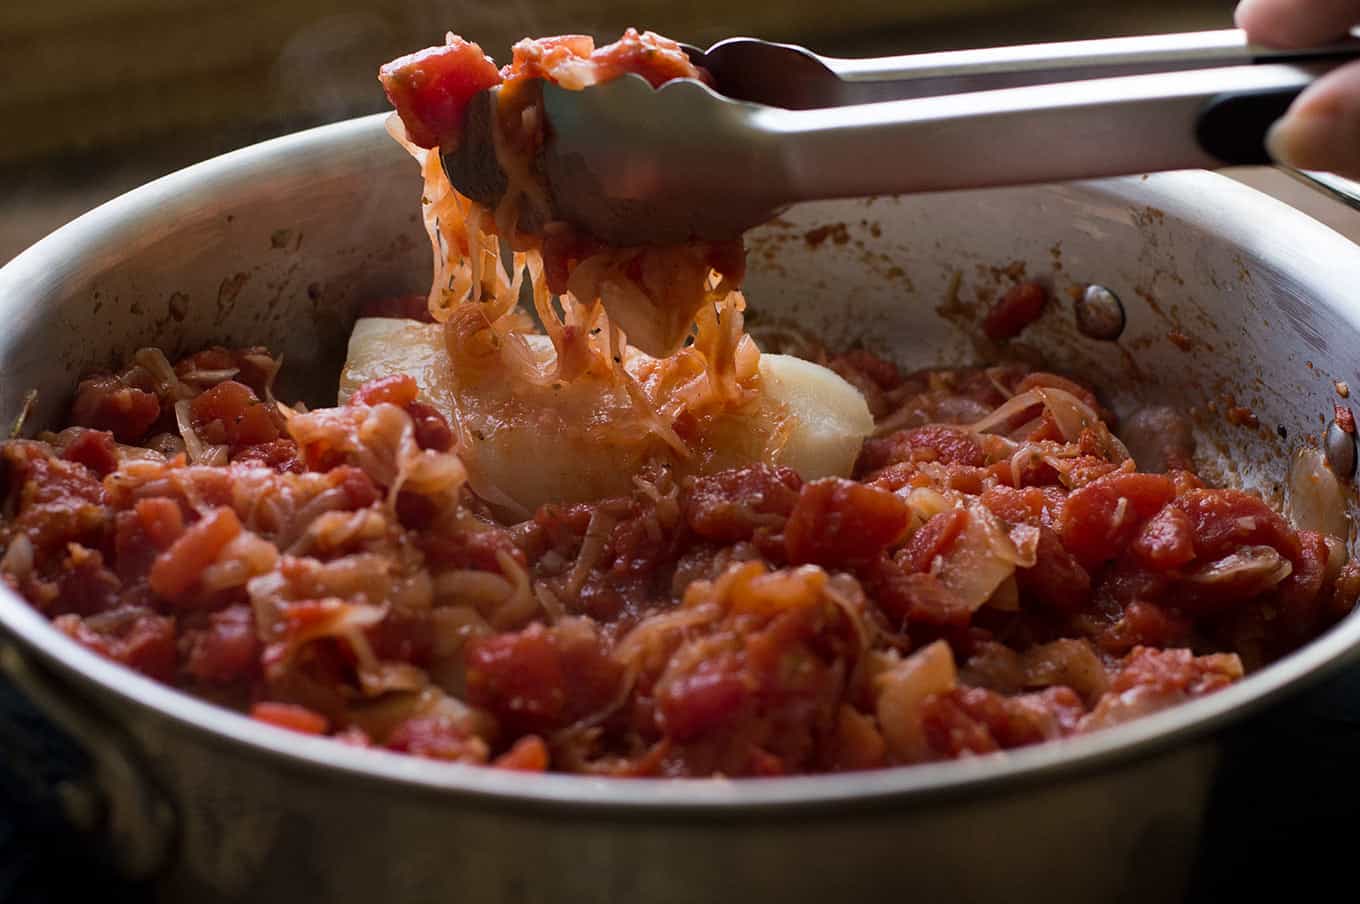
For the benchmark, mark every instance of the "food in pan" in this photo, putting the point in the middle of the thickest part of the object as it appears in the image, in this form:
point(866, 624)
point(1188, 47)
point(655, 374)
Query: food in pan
point(541, 547)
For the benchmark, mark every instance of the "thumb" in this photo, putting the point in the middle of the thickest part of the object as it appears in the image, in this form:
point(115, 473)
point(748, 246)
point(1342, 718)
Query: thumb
point(1321, 131)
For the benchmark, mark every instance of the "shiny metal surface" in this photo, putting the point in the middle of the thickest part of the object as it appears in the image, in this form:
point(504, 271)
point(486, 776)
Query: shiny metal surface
point(279, 244)
point(793, 77)
point(635, 165)
point(631, 164)
point(1099, 313)
point(1338, 188)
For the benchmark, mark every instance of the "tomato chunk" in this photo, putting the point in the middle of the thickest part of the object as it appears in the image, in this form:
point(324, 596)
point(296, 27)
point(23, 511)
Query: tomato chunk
point(431, 89)
point(175, 571)
point(1103, 517)
point(290, 716)
point(1017, 309)
point(95, 449)
point(107, 402)
point(731, 505)
point(1225, 520)
point(701, 702)
point(932, 539)
point(529, 754)
point(839, 522)
point(1167, 541)
point(397, 389)
point(231, 413)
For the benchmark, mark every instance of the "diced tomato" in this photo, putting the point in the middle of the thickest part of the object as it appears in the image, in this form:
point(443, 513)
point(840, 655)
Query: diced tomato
point(701, 702)
point(231, 413)
point(529, 754)
point(480, 549)
point(431, 427)
point(918, 597)
point(1176, 670)
point(838, 522)
point(161, 520)
point(106, 402)
point(84, 585)
point(397, 389)
point(538, 679)
point(227, 650)
point(290, 716)
point(95, 449)
point(138, 638)
point(436, 737)
point(281, 455)
point(358, 486)
point(176, 571)
point(951, 730)
point(950, 445)
point(1146, 624)
point(1017, 309)
point(1056, 578)
point(655, 58)
point(1225, 520)
point(1102, 518)
point(730, 506)
point(1018, 506)
point(431, 89)
point(1301, 593)
point(934, 538)
point(405, 635)
point(57, 502)
point(884, 373)
point(1166, 541)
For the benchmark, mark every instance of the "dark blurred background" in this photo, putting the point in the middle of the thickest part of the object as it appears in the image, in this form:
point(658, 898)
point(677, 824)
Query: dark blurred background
point(97, 96)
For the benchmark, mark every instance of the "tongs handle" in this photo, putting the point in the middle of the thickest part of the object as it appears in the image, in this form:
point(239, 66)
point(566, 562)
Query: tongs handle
point(1085, 129)
point(1068, 60)
point(786, 75)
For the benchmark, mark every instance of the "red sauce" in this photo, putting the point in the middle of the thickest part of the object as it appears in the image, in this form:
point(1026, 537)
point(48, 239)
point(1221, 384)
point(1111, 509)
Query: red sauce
point(744, 623)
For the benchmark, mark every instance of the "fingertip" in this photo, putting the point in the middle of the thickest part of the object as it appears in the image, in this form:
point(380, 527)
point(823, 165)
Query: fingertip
point(1295, 23)
point(1247, 16)
point(1321, 131)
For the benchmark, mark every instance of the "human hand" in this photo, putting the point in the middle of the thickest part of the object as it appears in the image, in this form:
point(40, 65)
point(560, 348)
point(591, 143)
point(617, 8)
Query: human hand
point(1321, 131)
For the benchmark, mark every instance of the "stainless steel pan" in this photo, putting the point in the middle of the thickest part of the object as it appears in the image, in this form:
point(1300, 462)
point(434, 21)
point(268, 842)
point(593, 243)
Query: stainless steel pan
point(279, 244)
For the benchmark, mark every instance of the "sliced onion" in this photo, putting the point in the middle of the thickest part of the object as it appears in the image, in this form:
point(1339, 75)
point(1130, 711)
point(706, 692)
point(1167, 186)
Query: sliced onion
point(18, 559)
point(1259, 566)
point(984, 555)
point(1317, 499)
point(1007, 596)
point(902, 692)
point(185, 422)
point(168, 383)
point(210, 376)
point(1025, 538)
point(1070, 413)
point(1336, 559)
point(1012, 407)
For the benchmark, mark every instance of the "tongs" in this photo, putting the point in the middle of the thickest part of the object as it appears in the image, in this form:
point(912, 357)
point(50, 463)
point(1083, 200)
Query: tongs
point(635, 165)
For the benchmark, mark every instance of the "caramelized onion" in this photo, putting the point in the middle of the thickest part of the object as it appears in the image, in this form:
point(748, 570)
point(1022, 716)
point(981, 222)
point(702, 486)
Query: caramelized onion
point(1255, 565)
point(984, 555)
point(902, 692)
point(1317, 499)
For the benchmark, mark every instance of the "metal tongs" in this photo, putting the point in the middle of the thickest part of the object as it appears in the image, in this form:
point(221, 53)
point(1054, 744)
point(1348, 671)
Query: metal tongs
point(636, 165)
